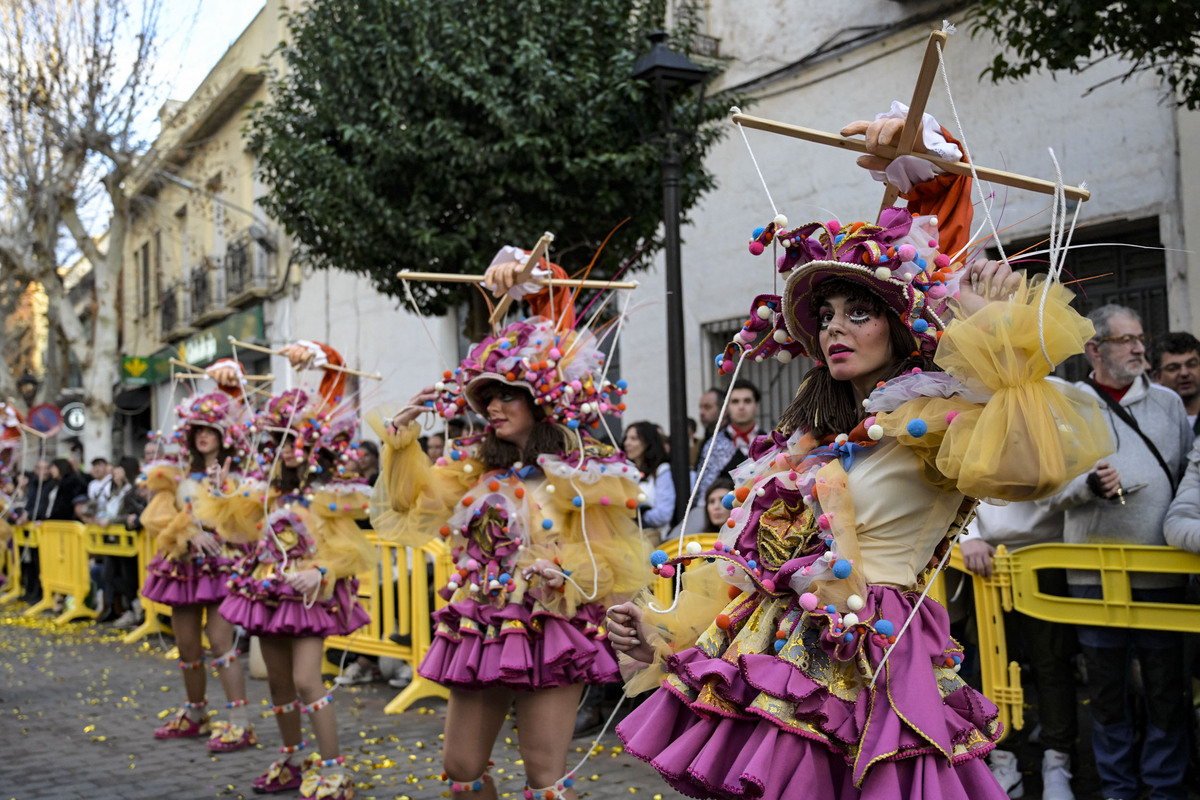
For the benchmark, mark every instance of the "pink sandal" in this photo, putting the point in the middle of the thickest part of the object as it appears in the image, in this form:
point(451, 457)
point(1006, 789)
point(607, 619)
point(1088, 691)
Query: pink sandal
point(227, 737)
point(184, 727)
point(282, 776)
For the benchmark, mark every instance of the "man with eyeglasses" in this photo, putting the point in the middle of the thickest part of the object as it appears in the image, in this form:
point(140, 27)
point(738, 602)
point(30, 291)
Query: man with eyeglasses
point(1176, 365)
point(1124, 500)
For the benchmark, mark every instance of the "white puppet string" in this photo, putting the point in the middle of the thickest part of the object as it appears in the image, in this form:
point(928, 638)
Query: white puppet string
point(583, 530)
point(695, 490)
point(1060, 241)
point(928, 585)
point(421, 318)
point(736, 110)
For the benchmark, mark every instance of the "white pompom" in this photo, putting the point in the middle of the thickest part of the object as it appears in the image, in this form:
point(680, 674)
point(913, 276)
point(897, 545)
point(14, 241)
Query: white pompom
point(440, 386)
point(855, 602)
point(694, 548)
point(783, 356)
point(850, 620)
point(764, 312)
point(781, 221)
point(780, 336)
point(841, 438)
point(875, 432)
point(883, 273)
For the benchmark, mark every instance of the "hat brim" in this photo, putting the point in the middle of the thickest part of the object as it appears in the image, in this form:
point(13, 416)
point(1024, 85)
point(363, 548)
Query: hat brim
point(802, 321)
point(474, 389)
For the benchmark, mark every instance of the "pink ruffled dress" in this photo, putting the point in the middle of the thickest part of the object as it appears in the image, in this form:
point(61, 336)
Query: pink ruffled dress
point(499, 629)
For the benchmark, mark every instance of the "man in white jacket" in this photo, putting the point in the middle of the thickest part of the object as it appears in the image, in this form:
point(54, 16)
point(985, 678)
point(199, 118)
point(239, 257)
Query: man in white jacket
point(1124, 499)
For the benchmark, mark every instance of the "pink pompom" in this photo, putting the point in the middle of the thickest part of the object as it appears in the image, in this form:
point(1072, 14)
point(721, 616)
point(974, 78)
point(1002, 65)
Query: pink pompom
point(823, 522)
point(950, 415)
point(808, 601)
point(906, 252)
point(941, 261)
point(937, 291)
point(781, 261)
point(667, 571)
point(768, 585)
point(834, 226)
point(869, 421)
point(756, 248)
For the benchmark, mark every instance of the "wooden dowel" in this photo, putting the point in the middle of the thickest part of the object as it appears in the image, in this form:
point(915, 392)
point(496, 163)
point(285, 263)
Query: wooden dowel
point(916, 107)
point(451, 277)
point(375, 376)
point(955, 167)
point(199, 372)
point(535, 257)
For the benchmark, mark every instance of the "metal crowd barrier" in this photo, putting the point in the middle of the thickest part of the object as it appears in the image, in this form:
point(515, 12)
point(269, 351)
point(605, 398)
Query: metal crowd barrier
point(1014, 587)
point(22, 537)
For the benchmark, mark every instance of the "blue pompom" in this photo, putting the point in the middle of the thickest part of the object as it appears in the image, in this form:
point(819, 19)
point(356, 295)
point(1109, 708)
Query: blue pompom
point(333, 506)
point(572, 424)
point(841, 569)
point(779, 644)
point(849, 637)
point(885, 627)
point(455, 455)
point(917, 428)
point(757, 233)
point(547, 524)
point(504, 577)
point(659, 557)
point(920, 326)
point(622, 384)
point(727, 500)
point(830, 609)
point(577, 501)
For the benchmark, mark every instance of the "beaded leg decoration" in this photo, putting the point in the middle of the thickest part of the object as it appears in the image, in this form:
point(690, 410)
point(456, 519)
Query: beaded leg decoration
point(555, 792)
point(185, 725)
point(225, 660)
point(469, 786)
point(317, 704)
point(286, 708)
point(228, 736)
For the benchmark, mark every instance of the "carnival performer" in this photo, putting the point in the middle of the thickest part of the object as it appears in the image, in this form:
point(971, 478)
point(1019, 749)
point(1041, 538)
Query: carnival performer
point(540, 520)
point(821, 673)
point(298, 584)
point(192, 561)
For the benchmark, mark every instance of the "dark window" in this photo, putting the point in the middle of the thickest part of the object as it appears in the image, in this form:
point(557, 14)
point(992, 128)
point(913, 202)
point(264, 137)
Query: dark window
point(144, 254)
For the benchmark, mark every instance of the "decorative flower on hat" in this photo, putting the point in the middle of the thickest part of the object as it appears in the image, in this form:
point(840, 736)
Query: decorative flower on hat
point(896, 259)
point(562, 370)
point(216, 410)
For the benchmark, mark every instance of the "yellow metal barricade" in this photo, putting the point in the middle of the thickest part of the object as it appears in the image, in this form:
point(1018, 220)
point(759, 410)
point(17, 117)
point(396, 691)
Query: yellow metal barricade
point(63, 560)
point(664, 588)
point(396, 595)
point(152, 610)
point(22, 537)
point(113, 540)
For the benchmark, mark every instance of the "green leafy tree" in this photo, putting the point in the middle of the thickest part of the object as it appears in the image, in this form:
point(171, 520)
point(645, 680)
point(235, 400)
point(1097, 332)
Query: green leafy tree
point(1160, 36)
point(423, 134)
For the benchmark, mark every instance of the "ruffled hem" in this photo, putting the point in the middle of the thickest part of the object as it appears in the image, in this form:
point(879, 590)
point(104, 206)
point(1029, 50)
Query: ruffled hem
point(276, 610)
point(724, 757)
point(478, 646)
point(187, 582)
point(778, 687)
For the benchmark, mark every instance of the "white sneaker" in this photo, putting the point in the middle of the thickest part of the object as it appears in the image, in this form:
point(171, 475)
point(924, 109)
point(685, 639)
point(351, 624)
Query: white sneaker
point(127, 620)
point(404, 676)
point(356, 674)
point(1056, 776)
point(1003, 765)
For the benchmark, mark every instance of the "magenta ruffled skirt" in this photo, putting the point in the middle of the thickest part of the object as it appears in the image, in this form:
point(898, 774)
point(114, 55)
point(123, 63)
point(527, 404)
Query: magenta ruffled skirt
point(277, 610)
point(189, 581)
point(476, 646)
point(750, 721)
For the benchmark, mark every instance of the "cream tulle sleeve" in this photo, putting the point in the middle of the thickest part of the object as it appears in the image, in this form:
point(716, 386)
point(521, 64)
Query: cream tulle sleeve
point(598, 541)
point(413, 498)
point(342, 546)
point(1031, 435)
point(236, 512)
point(704, 595)
point(171, 526)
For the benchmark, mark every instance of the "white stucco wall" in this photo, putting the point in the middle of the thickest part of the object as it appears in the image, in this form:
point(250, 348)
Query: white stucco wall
point(1120, 139)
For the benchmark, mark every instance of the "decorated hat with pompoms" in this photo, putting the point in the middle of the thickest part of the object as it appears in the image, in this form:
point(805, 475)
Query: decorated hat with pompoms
point(896, 259)
point(563, 371)
point(309, 424)
point(216, 410)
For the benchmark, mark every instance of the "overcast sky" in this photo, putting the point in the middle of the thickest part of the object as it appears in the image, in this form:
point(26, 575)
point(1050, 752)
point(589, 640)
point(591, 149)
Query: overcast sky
point(194, 35)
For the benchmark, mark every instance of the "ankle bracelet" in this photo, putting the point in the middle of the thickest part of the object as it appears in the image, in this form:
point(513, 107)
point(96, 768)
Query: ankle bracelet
point(332, 762)
point(295, 748)
point(225, 660)
point(469, 786)
point(317, 704)
point(236, 703)
point(200, 704)
point(555, 792)
point(191, 664)
point(285, 708)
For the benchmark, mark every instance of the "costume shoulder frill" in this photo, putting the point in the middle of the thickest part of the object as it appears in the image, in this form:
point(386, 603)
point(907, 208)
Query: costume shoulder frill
point(412, 497)
point(262, 600)
point(788, 685)
point(575, 510)
point(342, 547)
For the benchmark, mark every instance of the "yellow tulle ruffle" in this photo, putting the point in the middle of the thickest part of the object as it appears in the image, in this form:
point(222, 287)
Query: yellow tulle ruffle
point(1033, 435)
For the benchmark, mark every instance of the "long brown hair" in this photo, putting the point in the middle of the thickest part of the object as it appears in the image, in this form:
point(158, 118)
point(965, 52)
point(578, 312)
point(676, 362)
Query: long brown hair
point(824, 405)
point(546, 437)
point(196, 458)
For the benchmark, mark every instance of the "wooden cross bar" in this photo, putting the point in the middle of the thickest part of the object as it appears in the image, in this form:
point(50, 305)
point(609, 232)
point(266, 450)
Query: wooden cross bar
point(908, 135)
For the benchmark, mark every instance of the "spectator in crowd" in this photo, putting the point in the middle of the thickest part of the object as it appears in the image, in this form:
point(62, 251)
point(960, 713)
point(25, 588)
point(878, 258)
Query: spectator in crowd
point(118, 576)
point(714, 504)
point(100, 485)
point(151, 451)
point(74, 454)
point(729, 444)
point(645, 447)
point(39, 498)
point(1125, 499)
point(435, 446)
point(86, 510)
point(368, 461)
point(1050, 647)
point(1176, 365)
point(69, 484)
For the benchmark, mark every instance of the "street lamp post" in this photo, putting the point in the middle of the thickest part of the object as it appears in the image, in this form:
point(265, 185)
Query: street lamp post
point(672, 74)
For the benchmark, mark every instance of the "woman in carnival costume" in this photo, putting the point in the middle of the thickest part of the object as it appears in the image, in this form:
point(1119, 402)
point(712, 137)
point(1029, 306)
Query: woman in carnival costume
point(192, 562)
point(541, 524)
point(298, 583)
point(819, 672)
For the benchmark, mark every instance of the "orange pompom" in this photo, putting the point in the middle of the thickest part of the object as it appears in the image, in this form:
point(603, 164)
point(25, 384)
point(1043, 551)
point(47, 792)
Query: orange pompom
point(447, 374)
point(731, 523)
point(631, 503)
point(466, 501)
point(723, 621)
point(519, 492)
point(742, 493)
point(494, 486)
point(733, 592)
point(444, 530)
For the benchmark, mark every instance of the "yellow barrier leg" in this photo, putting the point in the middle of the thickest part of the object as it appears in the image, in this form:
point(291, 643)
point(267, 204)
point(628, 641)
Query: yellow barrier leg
point(419, 689)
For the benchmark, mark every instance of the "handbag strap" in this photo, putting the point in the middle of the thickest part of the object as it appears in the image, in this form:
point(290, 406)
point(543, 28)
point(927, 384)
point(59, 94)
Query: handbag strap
point(1128, 419)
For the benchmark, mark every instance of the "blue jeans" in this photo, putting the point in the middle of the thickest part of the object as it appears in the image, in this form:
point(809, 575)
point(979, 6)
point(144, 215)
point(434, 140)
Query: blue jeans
point(1108, 652)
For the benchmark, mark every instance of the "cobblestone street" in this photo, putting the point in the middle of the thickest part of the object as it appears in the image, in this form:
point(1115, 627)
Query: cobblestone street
point(79, 708)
